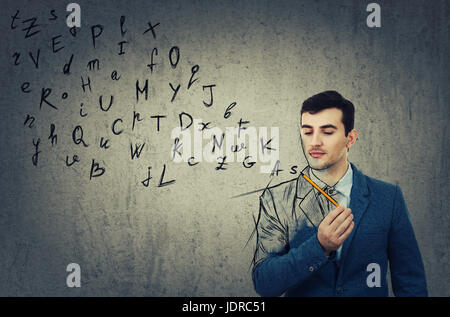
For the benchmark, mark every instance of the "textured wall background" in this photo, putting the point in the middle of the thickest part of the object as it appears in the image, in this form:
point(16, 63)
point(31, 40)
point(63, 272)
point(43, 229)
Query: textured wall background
point(188, 238)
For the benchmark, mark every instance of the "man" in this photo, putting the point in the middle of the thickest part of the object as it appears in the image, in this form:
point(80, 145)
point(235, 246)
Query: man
point(306, 246)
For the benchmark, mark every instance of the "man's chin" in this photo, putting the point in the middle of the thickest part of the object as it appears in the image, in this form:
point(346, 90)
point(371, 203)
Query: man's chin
point(318, 166)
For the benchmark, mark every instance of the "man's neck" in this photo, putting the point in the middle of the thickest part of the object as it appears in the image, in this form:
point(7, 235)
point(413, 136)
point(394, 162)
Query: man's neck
point(333, 174)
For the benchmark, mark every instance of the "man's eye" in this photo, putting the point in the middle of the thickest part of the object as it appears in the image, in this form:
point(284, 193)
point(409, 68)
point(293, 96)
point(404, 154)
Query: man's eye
point(328, 133)
point(308, 133)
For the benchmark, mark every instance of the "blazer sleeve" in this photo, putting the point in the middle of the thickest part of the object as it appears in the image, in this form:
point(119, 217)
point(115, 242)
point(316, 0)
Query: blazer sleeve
point(276, 267)
point(405, 261)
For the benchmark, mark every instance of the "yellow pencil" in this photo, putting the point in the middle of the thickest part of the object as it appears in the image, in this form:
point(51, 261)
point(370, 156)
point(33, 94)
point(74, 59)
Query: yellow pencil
point(320, 190)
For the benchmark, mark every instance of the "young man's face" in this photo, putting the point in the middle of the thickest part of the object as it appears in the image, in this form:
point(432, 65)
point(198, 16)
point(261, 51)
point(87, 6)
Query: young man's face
point(323, 138)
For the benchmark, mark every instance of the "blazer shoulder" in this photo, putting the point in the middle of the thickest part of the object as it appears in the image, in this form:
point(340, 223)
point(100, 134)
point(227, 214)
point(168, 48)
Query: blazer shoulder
point(282, 190)
point(380, 187)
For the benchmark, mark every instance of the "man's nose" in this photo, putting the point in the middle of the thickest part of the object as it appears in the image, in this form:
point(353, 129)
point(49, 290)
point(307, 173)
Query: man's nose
point(316, 140)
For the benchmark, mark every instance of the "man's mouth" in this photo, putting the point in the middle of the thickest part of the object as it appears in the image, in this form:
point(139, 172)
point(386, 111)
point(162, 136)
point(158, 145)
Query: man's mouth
point(316, 154)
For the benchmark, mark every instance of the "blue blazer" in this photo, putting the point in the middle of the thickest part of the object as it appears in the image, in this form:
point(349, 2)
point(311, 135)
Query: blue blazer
point(289, 260)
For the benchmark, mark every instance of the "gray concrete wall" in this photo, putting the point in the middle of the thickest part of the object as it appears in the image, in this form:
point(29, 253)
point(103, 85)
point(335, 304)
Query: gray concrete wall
point(188, 238)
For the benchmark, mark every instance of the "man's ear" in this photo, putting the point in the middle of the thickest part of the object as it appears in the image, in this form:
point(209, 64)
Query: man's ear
point(351, 138)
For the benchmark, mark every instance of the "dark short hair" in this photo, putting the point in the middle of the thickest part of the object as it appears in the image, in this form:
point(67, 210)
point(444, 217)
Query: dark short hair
point(331, 99)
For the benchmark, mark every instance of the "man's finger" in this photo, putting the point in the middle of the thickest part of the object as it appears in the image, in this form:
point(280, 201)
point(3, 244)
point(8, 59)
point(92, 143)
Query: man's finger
point(333, 214)
point(347, 232)
point(340, 219)
point(344, 225)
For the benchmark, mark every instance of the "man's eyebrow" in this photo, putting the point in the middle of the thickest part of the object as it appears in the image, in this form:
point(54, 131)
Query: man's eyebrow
point(326, 126)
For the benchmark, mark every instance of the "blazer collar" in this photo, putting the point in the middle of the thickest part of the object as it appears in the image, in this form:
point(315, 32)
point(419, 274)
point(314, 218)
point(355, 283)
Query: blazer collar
point(306, 202)
point(306, 199)
point(307, 195)
point(360, 187)
point(359, 201)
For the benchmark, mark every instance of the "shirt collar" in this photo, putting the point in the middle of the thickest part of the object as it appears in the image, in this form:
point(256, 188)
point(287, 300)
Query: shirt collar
point(343, 186)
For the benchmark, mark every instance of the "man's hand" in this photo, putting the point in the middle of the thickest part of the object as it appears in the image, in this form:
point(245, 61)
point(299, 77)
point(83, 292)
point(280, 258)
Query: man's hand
point(335, 228)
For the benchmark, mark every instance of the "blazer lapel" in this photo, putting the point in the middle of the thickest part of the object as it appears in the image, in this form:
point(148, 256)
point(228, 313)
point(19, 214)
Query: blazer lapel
point(306, 202)
point(359, 201)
